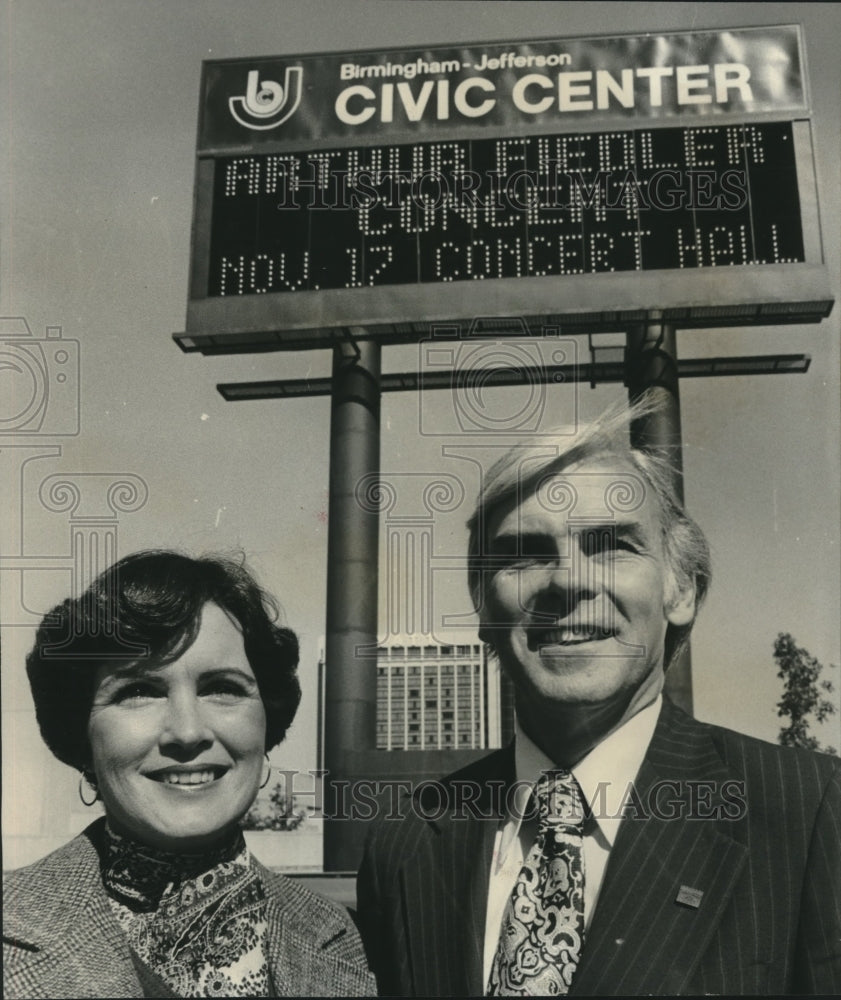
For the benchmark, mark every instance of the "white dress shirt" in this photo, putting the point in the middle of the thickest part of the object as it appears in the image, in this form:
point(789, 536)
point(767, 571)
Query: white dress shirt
point(603, 776)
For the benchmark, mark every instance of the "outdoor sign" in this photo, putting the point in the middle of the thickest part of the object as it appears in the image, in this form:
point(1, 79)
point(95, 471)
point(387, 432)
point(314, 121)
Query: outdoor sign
point(586, 180)
point(550, 83)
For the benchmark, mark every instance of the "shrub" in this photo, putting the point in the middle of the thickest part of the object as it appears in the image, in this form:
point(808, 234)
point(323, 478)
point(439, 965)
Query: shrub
point(279, 813)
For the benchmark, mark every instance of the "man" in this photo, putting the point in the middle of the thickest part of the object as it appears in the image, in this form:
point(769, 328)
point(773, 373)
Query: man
point(619, 846)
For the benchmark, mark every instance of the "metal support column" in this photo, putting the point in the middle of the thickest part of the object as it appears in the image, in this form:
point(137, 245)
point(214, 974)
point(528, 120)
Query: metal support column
point(651, 362)
point(350, 709)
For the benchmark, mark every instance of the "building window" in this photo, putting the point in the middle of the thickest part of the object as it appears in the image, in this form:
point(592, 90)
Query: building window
point(435, 691)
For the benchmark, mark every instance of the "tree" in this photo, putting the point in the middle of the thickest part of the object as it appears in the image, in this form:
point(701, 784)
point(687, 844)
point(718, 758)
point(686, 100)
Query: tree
point(803, 694)
point(279, 813)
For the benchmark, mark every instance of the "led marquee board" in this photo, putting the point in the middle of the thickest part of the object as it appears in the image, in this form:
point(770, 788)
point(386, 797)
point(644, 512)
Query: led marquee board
point(585, 183)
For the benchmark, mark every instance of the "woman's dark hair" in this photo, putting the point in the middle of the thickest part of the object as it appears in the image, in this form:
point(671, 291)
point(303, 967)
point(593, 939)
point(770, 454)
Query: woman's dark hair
point(148, 607)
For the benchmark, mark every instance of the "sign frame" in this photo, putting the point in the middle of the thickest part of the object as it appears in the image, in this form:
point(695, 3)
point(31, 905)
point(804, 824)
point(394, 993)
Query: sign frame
point(697, 297)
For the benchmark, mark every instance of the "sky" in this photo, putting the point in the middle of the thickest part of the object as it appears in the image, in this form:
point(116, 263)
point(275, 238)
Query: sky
point(99, 115)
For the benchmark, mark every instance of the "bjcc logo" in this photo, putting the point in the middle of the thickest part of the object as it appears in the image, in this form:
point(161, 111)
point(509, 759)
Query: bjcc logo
point(266, 104)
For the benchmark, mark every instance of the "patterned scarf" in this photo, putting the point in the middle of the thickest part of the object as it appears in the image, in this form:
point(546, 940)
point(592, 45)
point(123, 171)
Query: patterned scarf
point(197, 921)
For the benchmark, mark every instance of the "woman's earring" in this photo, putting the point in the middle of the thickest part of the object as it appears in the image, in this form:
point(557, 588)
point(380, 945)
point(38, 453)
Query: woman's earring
point(268, 772)
point(90, 781)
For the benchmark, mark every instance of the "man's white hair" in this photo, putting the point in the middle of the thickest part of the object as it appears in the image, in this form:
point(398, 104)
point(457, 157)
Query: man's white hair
point(519, 472)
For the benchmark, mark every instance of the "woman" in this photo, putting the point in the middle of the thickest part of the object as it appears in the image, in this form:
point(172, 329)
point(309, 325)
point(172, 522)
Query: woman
point(165, 684)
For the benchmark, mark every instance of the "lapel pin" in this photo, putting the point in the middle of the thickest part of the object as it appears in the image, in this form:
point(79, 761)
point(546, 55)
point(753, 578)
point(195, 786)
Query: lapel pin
point(688, 896)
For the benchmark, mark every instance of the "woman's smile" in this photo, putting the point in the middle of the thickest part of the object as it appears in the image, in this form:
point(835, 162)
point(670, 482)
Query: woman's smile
point(188, 779)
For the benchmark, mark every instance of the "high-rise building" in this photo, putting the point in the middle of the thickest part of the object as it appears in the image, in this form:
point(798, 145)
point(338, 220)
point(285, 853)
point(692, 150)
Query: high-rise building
point(436, 696)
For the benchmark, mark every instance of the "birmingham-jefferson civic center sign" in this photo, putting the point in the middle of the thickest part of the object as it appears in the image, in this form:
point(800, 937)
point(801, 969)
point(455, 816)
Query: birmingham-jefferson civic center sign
point(579, 182)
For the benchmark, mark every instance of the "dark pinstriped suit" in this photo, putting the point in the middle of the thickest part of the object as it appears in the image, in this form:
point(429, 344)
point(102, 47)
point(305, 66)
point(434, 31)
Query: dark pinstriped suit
point(769, 920)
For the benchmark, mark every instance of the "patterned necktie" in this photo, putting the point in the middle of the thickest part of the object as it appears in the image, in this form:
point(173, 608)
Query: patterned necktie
point(543, 925)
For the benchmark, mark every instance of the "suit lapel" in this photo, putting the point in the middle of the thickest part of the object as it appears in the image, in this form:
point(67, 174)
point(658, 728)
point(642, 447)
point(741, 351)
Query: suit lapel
point(643, 938)
point(297, 946)
point(445, 891)
point(78, 941)
point(78, 960)
point(300, 969)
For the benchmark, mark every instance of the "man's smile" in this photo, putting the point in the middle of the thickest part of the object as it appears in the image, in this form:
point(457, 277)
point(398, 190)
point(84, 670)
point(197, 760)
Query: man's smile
point(566, 635)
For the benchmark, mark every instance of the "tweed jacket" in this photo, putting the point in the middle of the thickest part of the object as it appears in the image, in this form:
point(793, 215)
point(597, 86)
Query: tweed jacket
point(61, 939)
point(753, 830)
